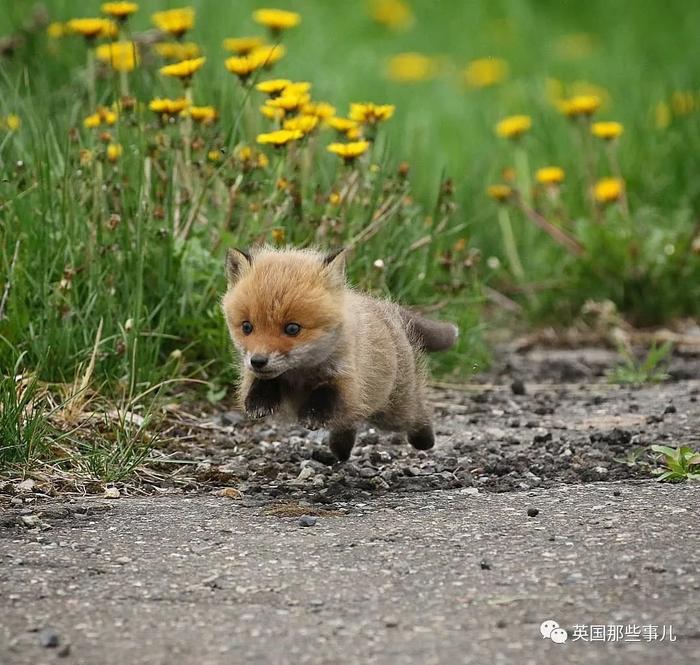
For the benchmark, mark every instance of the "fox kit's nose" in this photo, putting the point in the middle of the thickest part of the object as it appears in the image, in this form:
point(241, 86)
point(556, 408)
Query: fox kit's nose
point(258, 361)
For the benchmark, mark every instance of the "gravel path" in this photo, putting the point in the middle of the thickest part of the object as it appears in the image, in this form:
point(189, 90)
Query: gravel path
point(455, 576)
point(540, 420)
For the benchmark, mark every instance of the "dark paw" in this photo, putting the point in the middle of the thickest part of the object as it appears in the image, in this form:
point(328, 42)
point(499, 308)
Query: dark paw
point(319, 406)
point(422, 438)
point(341, 443)
point(263, 398)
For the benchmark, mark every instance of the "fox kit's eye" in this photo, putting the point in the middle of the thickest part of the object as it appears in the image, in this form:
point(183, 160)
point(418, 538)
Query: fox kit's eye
point(246, 327)
point(292, 329)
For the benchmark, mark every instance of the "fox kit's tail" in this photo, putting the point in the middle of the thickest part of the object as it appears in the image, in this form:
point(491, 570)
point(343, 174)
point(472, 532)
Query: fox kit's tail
point(430, 335)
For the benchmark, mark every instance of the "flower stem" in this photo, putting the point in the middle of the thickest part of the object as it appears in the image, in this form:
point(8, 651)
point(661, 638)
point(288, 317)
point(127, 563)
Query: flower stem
point(584, 132)
point(522, 173)
point(123, 83)
point(187, 130)
point(509, 245)
point(611, 149)
point(92, 95)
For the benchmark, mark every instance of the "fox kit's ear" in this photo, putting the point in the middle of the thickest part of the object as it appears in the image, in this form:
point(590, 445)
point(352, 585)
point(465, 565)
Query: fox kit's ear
point(237, 261)
point(334, 267)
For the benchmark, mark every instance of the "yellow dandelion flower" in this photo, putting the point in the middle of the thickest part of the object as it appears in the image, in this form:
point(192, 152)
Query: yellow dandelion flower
point(214, 155)
point(168, 107)
point(119, 10)
point(683, 102)
point(485, 72)
point(288, 101)
point(322, 110)
point(273, 86)
point(550, 175)
point(102, 116)
point(92, 121)
point(183, 70)
point(662, 115)
point(580, 106)
point(280, 137)
point(394, 14)
point(342, 125)
point(354, 134)
point(608, 190)
point(205, 115)
point(499, 192)
point(56, 30)
point(251, 158)
point(243, 45)
point(513, 126)
point(349, 152)
point(411, 67)
point(276, 20)
point(13, 122)
point(266, 56)
point(304, 123)
point(334, 198)
point(121, 56)
point(114, 152)
point(277, 235)
point(242, 66)
point(272, 113)
point(607, 130)
point(370, 114)
point(91, 28)
point(297, 88)
point(174, 21)
point(178, 50)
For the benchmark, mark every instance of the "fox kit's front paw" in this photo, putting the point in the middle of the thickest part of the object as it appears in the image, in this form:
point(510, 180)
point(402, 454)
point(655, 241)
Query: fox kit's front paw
point(263, 398)
point(319, 406)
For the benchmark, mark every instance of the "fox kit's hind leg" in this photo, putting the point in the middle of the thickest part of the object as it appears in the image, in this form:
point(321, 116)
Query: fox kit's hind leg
point(341, 442)
point(261, 398)
point(420, 434)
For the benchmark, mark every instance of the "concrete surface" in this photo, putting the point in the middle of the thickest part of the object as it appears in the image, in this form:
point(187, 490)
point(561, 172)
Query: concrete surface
point(454, 576)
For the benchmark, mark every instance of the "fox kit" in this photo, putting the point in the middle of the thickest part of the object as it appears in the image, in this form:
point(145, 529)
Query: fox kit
point(315, 349)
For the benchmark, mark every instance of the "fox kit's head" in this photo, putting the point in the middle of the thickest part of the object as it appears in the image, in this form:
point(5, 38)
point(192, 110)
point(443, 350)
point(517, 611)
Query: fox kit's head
point(284, 308)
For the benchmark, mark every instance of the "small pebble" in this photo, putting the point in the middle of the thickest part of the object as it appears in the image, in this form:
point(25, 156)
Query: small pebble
point(391, 622)
point(670, 409)
point(48, 638)
point(518, 387)
point(485, 565)
point(307, 520)
point(63, 651)
point(532, 512)
point(617, 493)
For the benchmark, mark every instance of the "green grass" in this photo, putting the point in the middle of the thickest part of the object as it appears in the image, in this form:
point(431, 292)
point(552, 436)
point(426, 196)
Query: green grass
point(650, 369)
point(678, 464)
point(104, 247)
